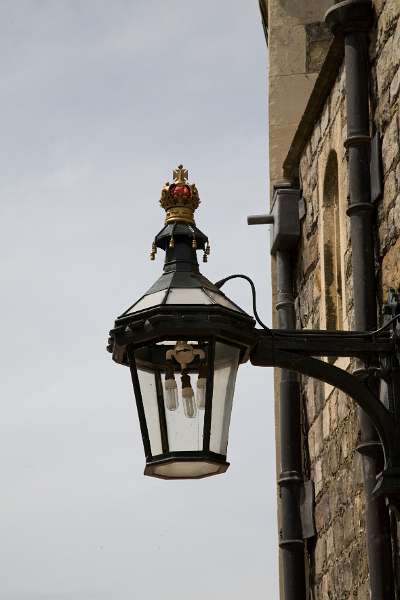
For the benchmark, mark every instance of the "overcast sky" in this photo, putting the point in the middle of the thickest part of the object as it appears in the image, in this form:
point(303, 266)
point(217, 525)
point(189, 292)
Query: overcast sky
point(100, 101)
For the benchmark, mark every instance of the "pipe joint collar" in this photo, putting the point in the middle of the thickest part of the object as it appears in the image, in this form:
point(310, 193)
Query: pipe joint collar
point(359, 207)
point(350, 16)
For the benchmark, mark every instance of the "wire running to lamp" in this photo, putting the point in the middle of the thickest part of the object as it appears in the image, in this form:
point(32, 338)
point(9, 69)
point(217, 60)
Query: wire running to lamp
point(222, 282)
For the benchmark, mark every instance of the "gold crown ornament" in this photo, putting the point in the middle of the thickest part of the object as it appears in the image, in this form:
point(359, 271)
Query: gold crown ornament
point(180, 198)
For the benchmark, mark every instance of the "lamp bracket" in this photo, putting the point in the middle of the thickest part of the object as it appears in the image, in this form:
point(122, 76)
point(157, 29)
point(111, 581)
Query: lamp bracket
point(297, 351)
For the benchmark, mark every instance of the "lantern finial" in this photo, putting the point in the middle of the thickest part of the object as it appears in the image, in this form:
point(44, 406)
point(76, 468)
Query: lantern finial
point(180, 198)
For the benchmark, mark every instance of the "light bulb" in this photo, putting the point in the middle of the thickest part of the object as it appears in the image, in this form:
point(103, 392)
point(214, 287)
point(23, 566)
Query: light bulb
point(189, 404)
point(201, 393)
point(171, 394)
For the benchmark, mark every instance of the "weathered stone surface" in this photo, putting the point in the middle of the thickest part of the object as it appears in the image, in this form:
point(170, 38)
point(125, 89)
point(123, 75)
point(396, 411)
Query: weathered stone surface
point(326, 422)
point(395, 86)
point(390, 144)
point(339, 561)
point(318, 477)
point(294, 58)
point(320, 554)
point(387, 23)
point(322, 513)
point(391, 268)
point(288, 53)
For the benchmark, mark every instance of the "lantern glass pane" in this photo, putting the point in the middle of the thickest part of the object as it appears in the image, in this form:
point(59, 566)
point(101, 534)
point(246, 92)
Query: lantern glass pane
point(175, 417)
point(187, 296)
point(184, 433)
point(148, 388)
point(148, 301)
point(226, 365)
point(222, 300)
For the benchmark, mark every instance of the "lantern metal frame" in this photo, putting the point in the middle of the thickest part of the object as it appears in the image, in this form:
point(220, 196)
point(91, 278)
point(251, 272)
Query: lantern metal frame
point(295, 350)
point(146, 328)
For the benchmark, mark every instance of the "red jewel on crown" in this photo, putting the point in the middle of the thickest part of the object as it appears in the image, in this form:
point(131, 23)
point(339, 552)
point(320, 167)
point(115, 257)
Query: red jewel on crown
point(181, 191)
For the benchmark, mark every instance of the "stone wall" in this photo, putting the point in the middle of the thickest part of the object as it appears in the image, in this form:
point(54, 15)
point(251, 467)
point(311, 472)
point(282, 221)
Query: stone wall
point(297, 42)
point(338, 561)
point(338, 555)
point(385, 54)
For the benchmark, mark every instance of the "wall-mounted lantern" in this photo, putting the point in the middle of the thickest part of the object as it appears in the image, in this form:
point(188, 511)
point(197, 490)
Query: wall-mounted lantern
point(183, 341)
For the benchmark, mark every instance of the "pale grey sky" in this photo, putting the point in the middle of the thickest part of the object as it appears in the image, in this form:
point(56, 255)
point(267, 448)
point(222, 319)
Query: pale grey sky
point(99, 102)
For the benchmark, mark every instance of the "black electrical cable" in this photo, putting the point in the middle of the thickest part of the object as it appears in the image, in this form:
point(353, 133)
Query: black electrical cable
point(222, 282)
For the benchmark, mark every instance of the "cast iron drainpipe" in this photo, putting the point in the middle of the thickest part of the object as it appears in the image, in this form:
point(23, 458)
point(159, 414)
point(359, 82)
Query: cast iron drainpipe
point(353, 19)
point(290, 481)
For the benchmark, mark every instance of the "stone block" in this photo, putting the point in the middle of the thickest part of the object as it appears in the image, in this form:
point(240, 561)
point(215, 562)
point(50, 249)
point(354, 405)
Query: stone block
point(395, 86)
point(330, 547)
point(325, 587)
point(326, 421)
point(333, 457)
point(343, 406)
point(398, 176)
point(336, 97)
point(338, 536)
point(335, 496)
point(319, 393)
point(348, 526)
point(322, 513)
point(345, 446)
point(347, 576)
point(318, 439)
point(396, 35)
point(318, 482)
point(311, 444)
point(318, 40)
point(320, 556)
point(384, 112)
point(355, 561)
point(334, 411)
point(390, 227)
point(390, 268)
point(325, 118)
point(364, 592)
point(288, 97)
point(390, 145)
point(280, 138)
point(389, 192)
point(385, 67)
point(316, 138)
point(309, 390)
point(291, 13)
point(287, 54)
point(308, 254)
point(358, 471)
point(388, 17)
point(359, 515)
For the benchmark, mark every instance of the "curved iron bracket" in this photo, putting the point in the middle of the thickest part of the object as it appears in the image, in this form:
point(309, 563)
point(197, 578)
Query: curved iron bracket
point(268, 352)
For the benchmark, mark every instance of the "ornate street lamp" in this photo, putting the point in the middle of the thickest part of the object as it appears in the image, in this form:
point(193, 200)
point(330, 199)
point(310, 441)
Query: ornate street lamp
point(183, 341)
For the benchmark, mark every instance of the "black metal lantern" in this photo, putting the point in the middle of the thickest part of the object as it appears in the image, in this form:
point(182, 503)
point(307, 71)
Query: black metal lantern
point(183, 342)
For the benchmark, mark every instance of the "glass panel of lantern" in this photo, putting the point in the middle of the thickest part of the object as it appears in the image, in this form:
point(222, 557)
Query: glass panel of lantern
point(226, 365)
point(173, 379)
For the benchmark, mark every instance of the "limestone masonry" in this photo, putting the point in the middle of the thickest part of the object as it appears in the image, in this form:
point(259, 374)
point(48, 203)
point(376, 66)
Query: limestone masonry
point(300, 60)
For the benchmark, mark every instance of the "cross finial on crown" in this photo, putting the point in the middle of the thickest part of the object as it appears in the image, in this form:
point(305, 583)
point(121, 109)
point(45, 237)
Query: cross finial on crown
point(180, 174)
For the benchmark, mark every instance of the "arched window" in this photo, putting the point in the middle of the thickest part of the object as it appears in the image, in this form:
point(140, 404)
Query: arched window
point(332, 259)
